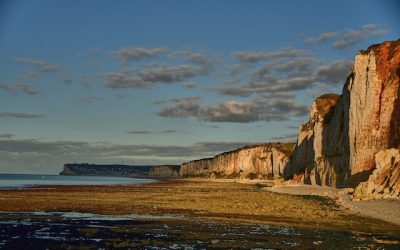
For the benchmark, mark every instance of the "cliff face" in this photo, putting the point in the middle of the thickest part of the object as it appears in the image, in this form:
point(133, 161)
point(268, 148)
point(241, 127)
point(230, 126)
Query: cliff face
point(266, 160)
point(68, 170)
point(105, 170)
point(306, 159)
point(338, 145)
point(385, 179)
point(164, 171)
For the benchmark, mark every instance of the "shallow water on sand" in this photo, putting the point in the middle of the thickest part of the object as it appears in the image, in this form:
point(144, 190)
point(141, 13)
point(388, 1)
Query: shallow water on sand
point(58, 230)
point(10, 181)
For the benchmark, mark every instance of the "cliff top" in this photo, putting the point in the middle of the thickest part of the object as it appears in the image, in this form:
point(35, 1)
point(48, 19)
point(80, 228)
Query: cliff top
point(324, 103)
point(284, 147)
point(387, 59)
point(321, 107)
point(172, 167)
point(376, 47)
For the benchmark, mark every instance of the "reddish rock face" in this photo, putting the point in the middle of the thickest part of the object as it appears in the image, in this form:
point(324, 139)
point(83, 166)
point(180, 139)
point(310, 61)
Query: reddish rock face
point(373, 106)
point(341, 143)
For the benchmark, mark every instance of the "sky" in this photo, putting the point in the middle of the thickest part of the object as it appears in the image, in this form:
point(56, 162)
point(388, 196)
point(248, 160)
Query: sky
point(165, 82)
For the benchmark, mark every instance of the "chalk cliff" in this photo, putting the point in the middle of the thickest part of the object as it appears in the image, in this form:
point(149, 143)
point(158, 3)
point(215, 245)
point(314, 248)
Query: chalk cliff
point(167, 171)
point(337, 147)
point(258, 161)
point(306, 158)
point(385, 179)
point(344, 143)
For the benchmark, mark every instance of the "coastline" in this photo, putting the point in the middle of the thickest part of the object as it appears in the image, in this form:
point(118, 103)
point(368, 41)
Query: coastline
point(24, 181)
point(103, 175)
point(223, 200)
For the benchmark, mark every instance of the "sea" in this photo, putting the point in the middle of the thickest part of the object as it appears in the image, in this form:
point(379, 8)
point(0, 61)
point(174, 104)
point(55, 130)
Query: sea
point(12, 181)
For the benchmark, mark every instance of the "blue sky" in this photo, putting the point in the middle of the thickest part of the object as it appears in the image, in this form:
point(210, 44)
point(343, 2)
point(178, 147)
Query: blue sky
point(153, 82)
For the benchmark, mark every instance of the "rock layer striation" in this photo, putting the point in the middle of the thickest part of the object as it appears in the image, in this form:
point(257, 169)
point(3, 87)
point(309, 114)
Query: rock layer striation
point(258, 161)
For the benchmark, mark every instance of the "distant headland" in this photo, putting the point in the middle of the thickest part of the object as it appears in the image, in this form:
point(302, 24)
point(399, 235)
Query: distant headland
point(142, 171)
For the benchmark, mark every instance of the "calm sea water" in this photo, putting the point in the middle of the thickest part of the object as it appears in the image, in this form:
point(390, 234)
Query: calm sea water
point(25, 180)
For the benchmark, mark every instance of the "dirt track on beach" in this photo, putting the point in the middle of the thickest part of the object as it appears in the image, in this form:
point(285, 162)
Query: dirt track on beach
point(384, 209)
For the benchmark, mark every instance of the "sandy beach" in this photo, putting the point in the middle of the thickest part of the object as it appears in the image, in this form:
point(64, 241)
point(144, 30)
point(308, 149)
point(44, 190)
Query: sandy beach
point(384, 209)
point(225, 200)
point(192, 214)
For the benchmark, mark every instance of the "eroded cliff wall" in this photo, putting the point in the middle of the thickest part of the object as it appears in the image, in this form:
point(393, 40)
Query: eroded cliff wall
point(337, 146)
point(385, 179)
point(167, 171)
point(308, 154)
point(259, 161)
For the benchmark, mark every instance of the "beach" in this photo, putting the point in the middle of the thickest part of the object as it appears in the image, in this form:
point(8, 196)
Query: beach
point(218, 214)
point(231, 200)
point(384, 209)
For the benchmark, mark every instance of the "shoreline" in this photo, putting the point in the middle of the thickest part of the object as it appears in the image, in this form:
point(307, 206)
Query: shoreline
point(223, 200)
point(43, 181)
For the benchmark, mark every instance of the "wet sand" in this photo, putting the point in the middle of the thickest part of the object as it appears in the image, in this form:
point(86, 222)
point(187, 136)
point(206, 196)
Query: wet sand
point(184, 214)
point(227, 201)
point(68, 230)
